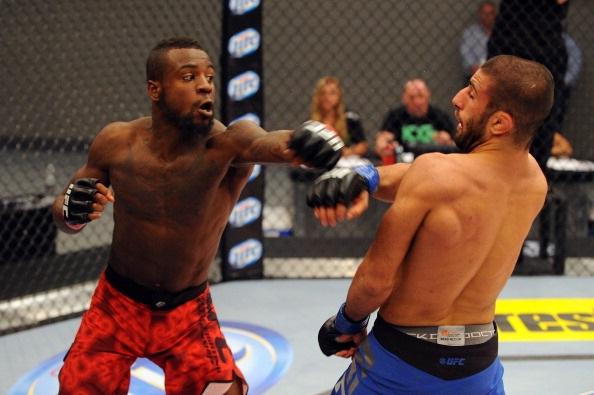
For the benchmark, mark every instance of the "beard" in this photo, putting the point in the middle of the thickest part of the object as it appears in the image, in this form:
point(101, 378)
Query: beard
point(469, 139)
point(184, 122)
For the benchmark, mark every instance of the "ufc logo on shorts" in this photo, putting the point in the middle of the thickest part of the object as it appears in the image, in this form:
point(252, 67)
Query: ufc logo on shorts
point(452, 361)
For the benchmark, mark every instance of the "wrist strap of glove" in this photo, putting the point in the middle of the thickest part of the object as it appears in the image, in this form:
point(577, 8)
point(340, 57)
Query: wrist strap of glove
point(345, 325)
point(370, 175)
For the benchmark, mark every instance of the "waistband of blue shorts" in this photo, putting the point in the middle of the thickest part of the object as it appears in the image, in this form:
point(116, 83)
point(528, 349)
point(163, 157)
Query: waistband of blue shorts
point(155, 299)
point(451, 335)
point(443, 361)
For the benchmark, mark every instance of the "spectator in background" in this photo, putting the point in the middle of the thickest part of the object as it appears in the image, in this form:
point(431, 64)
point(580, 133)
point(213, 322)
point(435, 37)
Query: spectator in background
point(574, 61)
point(327, 106)
point(473, 47)
point(415, 122)
point(532, 29)
point(561, 145)
point(574, 66)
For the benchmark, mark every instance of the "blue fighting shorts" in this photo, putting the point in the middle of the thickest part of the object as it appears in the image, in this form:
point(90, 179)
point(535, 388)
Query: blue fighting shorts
point(392, 362)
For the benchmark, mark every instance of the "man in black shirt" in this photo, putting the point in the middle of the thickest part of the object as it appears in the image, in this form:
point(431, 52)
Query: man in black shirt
point(413, 123)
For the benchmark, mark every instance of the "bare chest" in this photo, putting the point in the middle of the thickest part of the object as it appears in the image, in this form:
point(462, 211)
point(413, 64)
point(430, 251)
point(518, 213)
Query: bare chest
point(183, 188)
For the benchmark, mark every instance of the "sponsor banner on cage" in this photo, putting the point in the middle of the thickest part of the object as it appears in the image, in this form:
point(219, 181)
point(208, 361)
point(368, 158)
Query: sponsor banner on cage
point(245, 212)
point(241, 7)
point(243, 86)
point(263, 356)
point(244, 43)
point(245, 253)
point(545, 320)
point(242, 99)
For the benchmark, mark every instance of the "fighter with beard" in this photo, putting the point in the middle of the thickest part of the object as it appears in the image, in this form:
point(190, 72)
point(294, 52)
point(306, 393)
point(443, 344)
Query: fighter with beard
point(176, 176)
point(446, 246)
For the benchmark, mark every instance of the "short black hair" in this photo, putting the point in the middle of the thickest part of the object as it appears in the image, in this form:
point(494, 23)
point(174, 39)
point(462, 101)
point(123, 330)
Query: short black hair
point(522, 88)
point(154, 62)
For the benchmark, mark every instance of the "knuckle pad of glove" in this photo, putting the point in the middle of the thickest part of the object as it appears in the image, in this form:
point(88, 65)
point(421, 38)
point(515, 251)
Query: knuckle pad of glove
point(352, 187)
point(83, 193)
point(332, 193)
point(324, 157)
point(334, 160)
point(313, 197)
point(327, 338)
point(311, 149)
point(323, 193)
point(80, 202)
point(87, 182)
point(84, 189)
point(76, 206)
point(297, 140)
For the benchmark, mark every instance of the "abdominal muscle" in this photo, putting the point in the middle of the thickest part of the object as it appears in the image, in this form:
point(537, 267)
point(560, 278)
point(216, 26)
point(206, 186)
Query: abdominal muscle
point(164, 256)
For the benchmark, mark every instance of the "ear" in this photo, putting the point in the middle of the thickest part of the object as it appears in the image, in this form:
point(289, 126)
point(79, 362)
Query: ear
point(500, 123)
point(153, 89)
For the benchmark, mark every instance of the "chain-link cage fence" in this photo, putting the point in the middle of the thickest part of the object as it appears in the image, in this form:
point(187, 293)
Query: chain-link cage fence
point(373, 48)
point(69, 68)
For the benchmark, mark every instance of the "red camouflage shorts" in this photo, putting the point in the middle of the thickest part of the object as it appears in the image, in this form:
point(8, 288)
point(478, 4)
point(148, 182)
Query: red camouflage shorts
point(186, 342)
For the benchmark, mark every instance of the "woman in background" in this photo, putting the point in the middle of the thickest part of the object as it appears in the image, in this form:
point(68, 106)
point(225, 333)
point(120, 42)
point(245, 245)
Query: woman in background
point(327, 106)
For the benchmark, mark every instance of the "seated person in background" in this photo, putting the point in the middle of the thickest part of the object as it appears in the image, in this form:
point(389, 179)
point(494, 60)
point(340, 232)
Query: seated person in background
point(414, 122)
point(473, 46)
point(561, 146)
point(327, 106)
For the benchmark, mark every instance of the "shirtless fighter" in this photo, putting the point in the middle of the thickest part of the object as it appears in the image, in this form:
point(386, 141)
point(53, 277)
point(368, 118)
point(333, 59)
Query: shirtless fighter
point(176, 176)
point(446, 246)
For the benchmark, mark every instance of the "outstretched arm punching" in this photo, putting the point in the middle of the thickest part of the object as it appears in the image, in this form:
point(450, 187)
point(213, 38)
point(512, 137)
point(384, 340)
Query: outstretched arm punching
point(311, 144)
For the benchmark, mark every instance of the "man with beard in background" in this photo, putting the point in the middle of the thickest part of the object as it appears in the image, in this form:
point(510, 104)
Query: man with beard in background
point(176, 176)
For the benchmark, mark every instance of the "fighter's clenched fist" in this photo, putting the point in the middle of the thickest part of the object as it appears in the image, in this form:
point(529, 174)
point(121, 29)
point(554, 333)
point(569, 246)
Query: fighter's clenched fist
point(317, 145)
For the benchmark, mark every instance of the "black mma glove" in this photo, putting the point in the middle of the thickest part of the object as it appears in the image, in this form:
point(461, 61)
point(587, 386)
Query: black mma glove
point(78, 201)
point(317, 145)
point(335, 326)
point(342, 186)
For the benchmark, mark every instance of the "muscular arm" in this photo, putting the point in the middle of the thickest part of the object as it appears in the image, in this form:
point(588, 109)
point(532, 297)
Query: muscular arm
point(376, 276)
point(255, 145)
point(390, 179)
point(95, 167)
